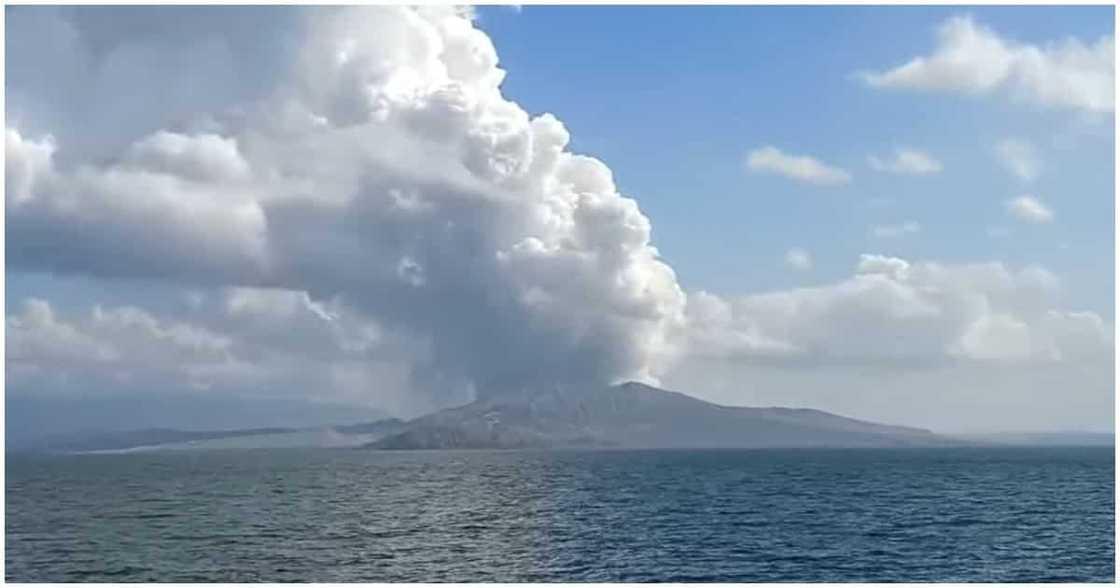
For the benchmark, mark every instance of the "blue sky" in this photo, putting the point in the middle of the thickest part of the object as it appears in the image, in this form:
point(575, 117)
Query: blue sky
point(673, 98)
point(902, 214)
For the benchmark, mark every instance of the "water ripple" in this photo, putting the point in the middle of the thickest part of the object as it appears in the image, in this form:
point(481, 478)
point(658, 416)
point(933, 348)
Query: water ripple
point(625, 516)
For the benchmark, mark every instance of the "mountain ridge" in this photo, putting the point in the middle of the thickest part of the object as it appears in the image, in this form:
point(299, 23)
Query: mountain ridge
point(629, 415)
point(634, 415)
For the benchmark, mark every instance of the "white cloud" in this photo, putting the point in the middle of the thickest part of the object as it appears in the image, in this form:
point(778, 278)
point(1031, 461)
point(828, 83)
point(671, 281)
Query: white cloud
point(972, 59)
point(262, 342)
point(1020, 158)
point(893, 312)
point(26, 163)
point(806, 169)
point(113, 345)
point(203, 157)
point(385, 168)
point(906, 161)
point(895, 231)
point(799, 259)
point(35, 333)
point(129, 219)
point(959, 396)
point(1029, 209)
point(378, 222)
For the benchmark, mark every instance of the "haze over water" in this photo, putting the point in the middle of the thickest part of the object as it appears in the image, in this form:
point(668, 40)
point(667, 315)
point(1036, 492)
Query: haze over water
point(961, 514)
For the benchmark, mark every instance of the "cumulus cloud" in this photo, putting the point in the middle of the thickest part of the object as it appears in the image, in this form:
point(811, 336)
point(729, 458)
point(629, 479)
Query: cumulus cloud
point(799, 259)
point(906, 161)
point(263, 342)
point(25, 162)
point(801, 168)
point(112, 343)
point(895, 231)
point(1020, 158)
point(895, 312)
point(203, 157)
point(1029, 209)
point(128, 219)
point(378, 222)
point(388, 170)
point(974, 60)
point(98, 78)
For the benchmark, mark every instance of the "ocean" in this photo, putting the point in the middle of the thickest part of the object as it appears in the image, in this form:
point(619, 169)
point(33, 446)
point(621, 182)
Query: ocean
point(342, 515)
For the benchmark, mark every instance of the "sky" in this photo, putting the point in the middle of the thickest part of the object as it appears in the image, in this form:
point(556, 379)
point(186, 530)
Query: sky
point(223, 217)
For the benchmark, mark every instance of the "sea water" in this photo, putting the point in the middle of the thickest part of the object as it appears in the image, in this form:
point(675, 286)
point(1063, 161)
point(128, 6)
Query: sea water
point(339, 515)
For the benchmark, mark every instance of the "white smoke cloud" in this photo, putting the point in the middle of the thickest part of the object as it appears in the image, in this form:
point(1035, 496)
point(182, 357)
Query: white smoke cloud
point(384, 224)
point(387, 170)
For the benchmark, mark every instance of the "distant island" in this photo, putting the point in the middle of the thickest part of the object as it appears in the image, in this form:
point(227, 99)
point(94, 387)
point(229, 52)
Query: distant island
point(275, 437)
point(634, 415)
point(630, 415)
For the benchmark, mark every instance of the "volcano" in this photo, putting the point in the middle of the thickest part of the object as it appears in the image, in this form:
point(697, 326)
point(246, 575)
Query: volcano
point(634, 415)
